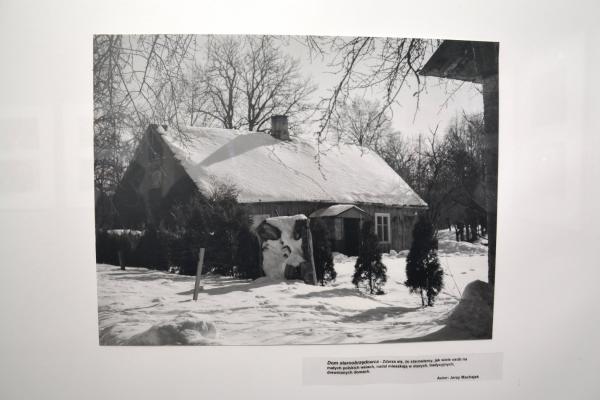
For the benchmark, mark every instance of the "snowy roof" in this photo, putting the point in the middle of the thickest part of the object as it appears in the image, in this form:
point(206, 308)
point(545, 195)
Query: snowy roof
point(266, 169)
point(334, 210)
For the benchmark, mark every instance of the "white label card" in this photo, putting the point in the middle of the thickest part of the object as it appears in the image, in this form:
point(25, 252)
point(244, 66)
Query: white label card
point(410, 369)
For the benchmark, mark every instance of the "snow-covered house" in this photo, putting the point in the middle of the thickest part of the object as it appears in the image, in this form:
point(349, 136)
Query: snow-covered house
point(276, 175)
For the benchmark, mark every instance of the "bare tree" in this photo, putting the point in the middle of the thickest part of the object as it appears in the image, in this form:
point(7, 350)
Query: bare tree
point(194, 101)
point(361, 122)
point(367, 62)
point(272, 83)
point(136, 81)
point(447, 171)
point(466, 163)
point(111, 113)
point(221, 80)
point(249, 79)
point(435, 173)
point(401, 155)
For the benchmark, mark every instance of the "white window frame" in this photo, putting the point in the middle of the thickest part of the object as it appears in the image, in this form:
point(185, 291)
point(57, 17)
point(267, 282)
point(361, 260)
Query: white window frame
point(389, 227)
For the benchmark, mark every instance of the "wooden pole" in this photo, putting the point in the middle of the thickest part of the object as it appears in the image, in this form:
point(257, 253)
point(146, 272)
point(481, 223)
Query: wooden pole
point(121, 260)
point(198, 273)
point(311, 258)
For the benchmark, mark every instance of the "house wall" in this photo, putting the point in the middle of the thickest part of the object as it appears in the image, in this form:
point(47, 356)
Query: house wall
point(153, 181)
point(402, 219)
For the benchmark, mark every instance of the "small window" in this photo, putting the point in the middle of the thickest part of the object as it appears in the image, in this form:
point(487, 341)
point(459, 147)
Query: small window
point(382, 227)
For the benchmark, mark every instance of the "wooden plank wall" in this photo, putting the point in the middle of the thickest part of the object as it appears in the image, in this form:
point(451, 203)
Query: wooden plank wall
point(402, 219)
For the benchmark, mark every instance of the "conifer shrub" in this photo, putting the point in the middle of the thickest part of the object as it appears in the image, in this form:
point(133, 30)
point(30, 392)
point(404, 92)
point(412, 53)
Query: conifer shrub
point(106, 248)
point(219, 224)
point(424, 274)
point(247, 259)
point(369, 271)
point(183, 253)
point(323, 258)
point(109, 244)
point(152, 251)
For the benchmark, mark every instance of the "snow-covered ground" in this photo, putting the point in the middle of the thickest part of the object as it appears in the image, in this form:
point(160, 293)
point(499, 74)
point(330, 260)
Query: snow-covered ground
point(146, 307)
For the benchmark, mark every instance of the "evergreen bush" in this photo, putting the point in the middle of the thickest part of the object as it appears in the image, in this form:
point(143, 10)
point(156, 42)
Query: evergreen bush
point(220, 225)
point(369, 270)
point(152, 251)
point(424, 274)
point(323, 258)
point(247, 259)
point(106, 248)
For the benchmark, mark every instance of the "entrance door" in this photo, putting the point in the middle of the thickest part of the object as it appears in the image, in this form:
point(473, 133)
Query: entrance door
point(351, 236)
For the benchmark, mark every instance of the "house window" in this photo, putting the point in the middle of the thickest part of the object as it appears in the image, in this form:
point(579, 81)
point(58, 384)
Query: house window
point(382, 227)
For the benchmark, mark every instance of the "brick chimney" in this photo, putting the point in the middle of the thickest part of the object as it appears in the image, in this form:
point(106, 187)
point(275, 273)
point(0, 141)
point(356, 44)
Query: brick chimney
point(279, 127)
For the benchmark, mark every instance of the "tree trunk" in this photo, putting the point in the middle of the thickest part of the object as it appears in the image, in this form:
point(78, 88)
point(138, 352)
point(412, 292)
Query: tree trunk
point(490, 111)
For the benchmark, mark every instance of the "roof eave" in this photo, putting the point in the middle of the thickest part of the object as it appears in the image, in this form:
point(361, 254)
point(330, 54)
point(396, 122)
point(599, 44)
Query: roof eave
point(469, 61)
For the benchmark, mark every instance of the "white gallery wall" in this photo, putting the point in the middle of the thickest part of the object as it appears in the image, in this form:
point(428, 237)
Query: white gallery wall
point(548, 267)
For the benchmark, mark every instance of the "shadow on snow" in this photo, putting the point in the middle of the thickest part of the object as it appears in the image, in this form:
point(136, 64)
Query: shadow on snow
point(330, 293)
point(379, 313)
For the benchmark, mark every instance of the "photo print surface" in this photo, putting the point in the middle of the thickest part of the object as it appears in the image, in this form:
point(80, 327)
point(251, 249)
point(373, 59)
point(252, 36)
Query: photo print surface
point(286, 190)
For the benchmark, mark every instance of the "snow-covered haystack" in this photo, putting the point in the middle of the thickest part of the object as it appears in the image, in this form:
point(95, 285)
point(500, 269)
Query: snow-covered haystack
point(285, 249)
point(473, 314)
point(182, 331)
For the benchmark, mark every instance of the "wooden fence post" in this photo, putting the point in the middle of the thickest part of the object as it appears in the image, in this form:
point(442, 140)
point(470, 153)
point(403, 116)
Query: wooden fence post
point(121, 260)
point(311, 258)
point(198, 273)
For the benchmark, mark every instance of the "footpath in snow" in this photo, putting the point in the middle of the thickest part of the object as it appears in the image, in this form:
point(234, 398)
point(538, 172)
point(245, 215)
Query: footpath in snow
point(145, 307)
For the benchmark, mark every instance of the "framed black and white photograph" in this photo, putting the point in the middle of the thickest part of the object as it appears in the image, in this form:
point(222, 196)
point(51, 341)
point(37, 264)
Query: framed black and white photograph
point(299, 199)
point(263, 190)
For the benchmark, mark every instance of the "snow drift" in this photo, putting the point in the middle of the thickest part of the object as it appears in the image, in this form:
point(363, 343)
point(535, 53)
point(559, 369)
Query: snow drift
point(179, 332)
point(147, 307)
point(473, 314)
